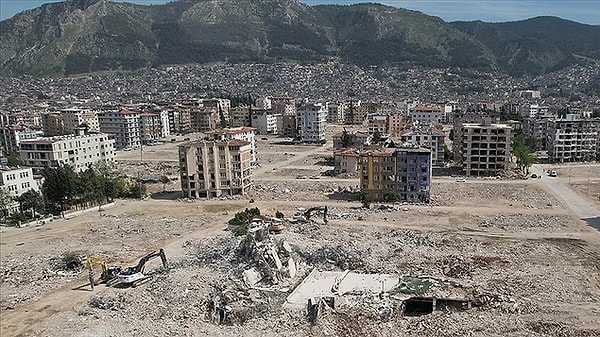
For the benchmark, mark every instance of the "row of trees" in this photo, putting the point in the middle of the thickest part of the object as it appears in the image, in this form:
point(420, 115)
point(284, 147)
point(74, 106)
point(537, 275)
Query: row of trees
point(64, 189)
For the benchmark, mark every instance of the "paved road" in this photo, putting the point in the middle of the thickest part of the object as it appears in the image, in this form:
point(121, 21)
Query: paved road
point(584, 209)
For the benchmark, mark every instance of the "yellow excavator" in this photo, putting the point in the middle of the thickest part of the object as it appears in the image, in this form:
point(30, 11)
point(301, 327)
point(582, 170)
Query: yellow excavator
point(108, 273)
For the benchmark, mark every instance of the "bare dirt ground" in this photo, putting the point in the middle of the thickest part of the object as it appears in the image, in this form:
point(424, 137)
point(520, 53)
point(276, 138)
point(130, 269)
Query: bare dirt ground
point(512, 246)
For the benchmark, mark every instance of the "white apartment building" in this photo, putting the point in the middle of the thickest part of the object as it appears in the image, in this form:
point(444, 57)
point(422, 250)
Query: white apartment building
point(532, 110)
point(124, 125)
point(426, 115)
point(18, 181)
point(211, 169)
point(245, 133)
point(311, 121)
point(74, 118)
point(429, 138)
point(572, 139)
point(486, 148)
point(80, 151)
point(265, 122)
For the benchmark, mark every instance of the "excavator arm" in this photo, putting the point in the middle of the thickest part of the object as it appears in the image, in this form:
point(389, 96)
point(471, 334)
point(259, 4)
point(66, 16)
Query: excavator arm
point(136, 273)
point(309, 212)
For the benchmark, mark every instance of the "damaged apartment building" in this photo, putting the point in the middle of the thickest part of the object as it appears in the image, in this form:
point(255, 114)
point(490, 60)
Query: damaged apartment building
point(402, 173)
point(215, 168)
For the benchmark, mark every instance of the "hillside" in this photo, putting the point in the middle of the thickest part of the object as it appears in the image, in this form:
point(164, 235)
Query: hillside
point(537, 45)
point(80, 36)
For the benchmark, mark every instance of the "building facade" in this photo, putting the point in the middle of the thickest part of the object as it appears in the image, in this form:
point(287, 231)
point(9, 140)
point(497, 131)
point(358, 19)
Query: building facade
point(18, 181)
point(311, 121)
point(245, 133)
point(486, 148)
point(124, 125)
point(345, 161)
point(572, 139)
point(212, 169)
point(80, 151)
point(74, 118)
point(396, 174)
point(413, 174)
point(12, 136)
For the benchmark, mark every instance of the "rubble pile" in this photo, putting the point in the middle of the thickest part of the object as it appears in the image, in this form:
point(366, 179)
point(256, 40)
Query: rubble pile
point(300, 190)
point(517, 222)
point(26, 278)
point(445, 194)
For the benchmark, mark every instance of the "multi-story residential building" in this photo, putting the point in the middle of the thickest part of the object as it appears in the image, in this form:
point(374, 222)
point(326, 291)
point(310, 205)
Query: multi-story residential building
point(431, 138)
point(333, 113)
point(402, 173)
point(150, 127)
point(12, 118)
point(204, 119)
point(572, 139)
point(532, 110)
point(426, 115)
point(377, 123)
point(240, 116)
point(486, 148)
point(377, 169)
point(536, 133)
point(245, 133)
point(53, 124)
point(74, 118)
point(358, 113)
point(79, 150)
point(265, 121)
point(124, 125)
point(345, 161)
point(13, 135)
point(413, 173)
point(461, 118)
point(212, 169)
point(288, 126)
point(17, 181)
point(311, 121)
point(396, 124)
point(357, 140)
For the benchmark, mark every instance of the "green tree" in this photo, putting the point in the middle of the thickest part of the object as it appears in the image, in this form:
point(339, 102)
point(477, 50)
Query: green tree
point(89, 187)
point(31, 200)
point(14, 160)
point(365, 198)
point(60, 186)
point(5, 201)
point(447, 154)
point(111, 179)
point(376, 137)
point(346, 139)
point(137, 190)
point(524, 157)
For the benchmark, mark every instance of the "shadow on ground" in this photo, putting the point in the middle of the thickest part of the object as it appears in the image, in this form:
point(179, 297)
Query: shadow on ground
point(166, 195)
point(593, 222)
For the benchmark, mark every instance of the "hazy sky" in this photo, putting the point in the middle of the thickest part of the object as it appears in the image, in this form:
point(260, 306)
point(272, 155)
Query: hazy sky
point(584, 11)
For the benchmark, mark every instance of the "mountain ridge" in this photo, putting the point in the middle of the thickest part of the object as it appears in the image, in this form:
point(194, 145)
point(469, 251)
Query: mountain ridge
point(80, 36)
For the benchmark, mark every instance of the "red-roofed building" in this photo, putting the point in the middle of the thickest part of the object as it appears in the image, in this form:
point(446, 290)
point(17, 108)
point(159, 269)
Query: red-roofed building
point(245, 133)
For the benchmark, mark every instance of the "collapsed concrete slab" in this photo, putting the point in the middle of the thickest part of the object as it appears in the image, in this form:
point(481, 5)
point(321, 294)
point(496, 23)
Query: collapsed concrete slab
point(323, 284)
